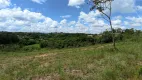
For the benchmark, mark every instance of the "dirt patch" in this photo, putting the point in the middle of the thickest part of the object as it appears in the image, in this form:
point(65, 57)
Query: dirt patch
point(100, 47)
point(77, 73)
point(2, 66)
point(140, 63)
point(50, 77)
point(90, 66)
point(85, 49)
point(42, 78)
point(45, 55)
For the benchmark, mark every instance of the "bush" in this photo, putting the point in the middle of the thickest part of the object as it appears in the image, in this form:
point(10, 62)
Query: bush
point(10, 47)
point(52, 44)
point(140, 72)
point(67, 43)
point(27, 42)
point(43, 44)
point(31, 48)
point(106, 37)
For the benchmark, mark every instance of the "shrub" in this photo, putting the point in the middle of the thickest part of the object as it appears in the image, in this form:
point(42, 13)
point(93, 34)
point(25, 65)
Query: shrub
point(31, 48)
point(27, 42)
point(9, 47)
point(67, 43)
point(106, 37)
point(140, 72)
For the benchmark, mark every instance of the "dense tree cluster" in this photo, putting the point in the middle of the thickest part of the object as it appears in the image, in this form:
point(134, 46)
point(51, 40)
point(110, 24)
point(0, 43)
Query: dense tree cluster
point(64, 40)
point(8, 38)
point(68, 40)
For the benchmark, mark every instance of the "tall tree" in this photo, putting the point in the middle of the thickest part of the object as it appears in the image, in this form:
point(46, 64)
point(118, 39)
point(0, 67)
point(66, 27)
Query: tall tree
point(105, 8)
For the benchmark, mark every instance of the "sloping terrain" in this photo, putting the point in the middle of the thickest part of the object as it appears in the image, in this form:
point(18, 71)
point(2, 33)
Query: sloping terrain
point(98, 62)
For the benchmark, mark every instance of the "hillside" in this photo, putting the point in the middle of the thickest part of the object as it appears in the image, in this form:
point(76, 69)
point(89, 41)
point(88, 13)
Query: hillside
point(98, 62)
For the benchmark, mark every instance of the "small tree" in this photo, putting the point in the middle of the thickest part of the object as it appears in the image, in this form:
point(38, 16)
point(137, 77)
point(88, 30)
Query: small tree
point(105, 8)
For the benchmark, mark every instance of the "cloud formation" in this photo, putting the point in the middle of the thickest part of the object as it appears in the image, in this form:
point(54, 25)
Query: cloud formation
point(4, 3)
point(20, 20)
point(39, 1)
point(17, 19)
point(76, 3)
point(123, 6)
point(134, 21)
point(66, 16)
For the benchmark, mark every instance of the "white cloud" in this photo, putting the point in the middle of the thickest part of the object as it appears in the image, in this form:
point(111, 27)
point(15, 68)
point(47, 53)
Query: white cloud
point(17, 19)
point(4, 3)
point(20, 20)
point(66, 16)
point(18, 14)
point(91, 19)
point(77, 7)
point(139, 7)
point(116, 22)
point(81, 28)
point(71, 23)
point(118, 17)
point(63, 23)
point(123, 6)
point(39, 1)
point(133, 21)
point(76, 3)
point(91, 23)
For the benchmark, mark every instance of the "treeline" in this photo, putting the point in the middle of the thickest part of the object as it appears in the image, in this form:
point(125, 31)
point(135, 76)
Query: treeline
point(8, 38)
point(63, 40)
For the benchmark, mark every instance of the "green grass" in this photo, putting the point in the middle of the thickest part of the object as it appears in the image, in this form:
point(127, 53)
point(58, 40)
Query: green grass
point(99, 62)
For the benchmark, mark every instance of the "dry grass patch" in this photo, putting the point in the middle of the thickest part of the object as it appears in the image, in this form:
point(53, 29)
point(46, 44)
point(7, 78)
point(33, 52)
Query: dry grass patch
point(49, 77)
point(45, 55)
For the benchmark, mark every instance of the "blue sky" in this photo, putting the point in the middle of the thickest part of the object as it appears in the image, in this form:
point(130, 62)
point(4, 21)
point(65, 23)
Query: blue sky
point(52, 8)
point(72, 16)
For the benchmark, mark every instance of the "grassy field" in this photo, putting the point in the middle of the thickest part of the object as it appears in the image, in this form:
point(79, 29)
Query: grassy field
point(98, 62)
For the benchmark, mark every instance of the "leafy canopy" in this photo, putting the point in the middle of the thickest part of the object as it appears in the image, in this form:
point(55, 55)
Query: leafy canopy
point(100, 5)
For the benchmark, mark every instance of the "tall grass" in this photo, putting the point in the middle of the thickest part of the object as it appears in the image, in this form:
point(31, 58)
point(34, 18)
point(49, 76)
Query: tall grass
point(99, 62)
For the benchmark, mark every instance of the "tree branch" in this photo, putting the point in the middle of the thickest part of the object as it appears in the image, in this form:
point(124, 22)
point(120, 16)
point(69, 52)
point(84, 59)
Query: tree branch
point(105, 15)
point(104, 18)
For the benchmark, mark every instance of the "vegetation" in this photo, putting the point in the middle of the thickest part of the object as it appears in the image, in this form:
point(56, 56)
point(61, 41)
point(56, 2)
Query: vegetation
point(8, 38)
point(52, 40)
point(98, 62)
point(42, 58)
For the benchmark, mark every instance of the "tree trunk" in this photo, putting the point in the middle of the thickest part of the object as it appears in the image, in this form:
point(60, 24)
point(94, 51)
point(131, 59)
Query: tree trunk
point(113, 34)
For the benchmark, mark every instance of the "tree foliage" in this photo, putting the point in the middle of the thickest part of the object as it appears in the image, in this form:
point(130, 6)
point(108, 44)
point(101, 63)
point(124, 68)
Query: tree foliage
point(8, 38)
point(14, 40)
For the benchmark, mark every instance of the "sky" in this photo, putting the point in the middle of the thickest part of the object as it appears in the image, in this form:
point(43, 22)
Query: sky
point(69, 16)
